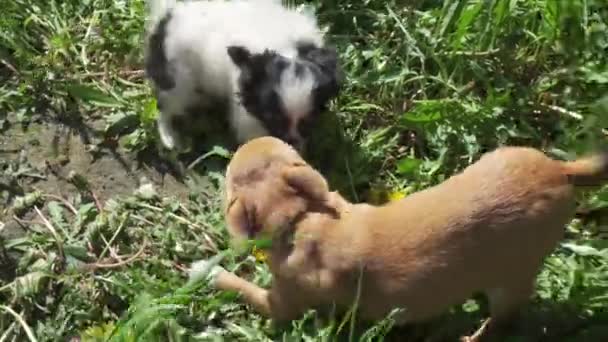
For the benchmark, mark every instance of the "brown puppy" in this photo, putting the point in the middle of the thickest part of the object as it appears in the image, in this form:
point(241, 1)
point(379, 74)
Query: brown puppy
point(486, 229)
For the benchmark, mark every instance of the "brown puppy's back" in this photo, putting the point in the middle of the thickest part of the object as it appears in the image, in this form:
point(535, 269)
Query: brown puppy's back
point(486, 229)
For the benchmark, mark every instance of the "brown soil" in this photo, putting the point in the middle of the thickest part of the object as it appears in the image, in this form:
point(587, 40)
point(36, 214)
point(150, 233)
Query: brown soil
point(48, 152)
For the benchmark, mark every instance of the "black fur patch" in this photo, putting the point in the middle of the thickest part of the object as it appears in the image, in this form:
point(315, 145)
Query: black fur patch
point(260, 74)
point(328, 73)
point(157, 65)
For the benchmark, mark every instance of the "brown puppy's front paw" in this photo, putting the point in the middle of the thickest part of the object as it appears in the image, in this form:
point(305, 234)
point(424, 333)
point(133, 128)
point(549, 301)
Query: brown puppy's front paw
point(214, 275)
point(204, 269)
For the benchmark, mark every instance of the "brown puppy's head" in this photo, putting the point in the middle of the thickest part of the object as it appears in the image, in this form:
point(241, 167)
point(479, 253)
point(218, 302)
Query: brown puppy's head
point(268, 185)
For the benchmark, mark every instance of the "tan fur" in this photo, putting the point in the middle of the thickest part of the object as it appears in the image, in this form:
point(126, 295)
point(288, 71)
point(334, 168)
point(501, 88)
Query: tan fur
point(486, 229)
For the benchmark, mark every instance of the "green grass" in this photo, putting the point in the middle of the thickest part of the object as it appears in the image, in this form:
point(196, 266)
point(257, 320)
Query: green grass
point(430, 87)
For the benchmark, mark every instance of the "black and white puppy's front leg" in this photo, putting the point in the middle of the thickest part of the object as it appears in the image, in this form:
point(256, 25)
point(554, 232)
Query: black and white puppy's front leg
point(170, 135)
point(271, 303)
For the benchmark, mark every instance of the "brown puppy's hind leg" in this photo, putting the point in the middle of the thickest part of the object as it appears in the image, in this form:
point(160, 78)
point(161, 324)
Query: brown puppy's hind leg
point(505, 303)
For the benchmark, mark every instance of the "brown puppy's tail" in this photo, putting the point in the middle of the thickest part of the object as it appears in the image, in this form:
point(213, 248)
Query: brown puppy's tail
point(590, 171)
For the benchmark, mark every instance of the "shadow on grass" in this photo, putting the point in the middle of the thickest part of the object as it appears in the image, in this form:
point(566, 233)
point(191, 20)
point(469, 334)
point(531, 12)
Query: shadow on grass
point(330, 150)
point(542, 321)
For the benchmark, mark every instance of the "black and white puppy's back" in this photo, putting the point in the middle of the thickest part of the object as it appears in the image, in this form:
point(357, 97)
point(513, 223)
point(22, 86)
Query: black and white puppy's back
point(264, 66)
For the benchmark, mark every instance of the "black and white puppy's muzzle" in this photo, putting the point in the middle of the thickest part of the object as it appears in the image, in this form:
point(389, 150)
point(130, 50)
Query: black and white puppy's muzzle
point(288, 95)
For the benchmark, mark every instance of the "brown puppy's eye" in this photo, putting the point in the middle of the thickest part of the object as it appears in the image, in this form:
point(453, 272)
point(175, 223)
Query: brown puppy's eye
point(230, 204)
point(252, 227)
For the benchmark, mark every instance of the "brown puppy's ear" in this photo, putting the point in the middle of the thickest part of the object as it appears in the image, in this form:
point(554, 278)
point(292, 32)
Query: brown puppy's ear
point(237, 218)
point(307, 181)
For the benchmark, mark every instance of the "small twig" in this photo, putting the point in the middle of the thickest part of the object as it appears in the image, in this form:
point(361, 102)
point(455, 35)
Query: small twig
point(8, 331)
point(480, 331)
point(350, 179)
point(143, 219)
point(24, 223)
point(120, 73)
point(31, 175)
point(6, 287)
point(9, 150)
point(118, 230)
point(26, 328)
point(82, 184)
point(180, 267)
point(63, 201)
point(10, 66)
point(97, 202)
point(42, 308)
point(97, 265)
point(113, 253)
point(185, 210)
point(561, 111)
point(469, 53)
point(50, 227)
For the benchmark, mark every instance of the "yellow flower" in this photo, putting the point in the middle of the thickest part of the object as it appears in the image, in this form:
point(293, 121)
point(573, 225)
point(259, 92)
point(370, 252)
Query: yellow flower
point(396, 195)
point(259, 254)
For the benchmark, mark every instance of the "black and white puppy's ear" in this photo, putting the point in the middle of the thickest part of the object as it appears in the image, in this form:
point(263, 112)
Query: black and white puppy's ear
point(239, 55)
point(327, 60)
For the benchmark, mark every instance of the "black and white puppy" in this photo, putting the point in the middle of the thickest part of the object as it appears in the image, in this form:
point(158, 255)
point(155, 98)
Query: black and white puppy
point(262, 64)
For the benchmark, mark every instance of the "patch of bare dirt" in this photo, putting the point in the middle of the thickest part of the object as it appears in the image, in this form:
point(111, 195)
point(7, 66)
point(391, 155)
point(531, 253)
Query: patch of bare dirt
point(43, 155)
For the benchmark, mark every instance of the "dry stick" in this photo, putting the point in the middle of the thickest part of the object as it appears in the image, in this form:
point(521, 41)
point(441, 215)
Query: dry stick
point(7, 286)
point(118, 230)
point(97, 202)
point(63, 201)
point(480, 331)
point(142, 219)
point(7, 332)
point(19, 319)
point(32, 175)
point(179, 267)
point(113, 254)
point(560, 110)
point(24, 223)
point(94, 266)
point(185, 210)
point(469, 53)
point(120, 73)
point(10, 66)
point(50, 227)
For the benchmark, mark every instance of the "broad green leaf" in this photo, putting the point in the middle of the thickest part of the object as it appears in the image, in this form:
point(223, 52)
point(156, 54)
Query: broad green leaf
point(584, 250)
point(451, 13)
point(92, 95)
point(28, 284)
point(407, 166)
point(465, 22)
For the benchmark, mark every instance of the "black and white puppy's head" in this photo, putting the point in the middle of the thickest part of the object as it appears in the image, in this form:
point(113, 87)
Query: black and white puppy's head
point(287, 94)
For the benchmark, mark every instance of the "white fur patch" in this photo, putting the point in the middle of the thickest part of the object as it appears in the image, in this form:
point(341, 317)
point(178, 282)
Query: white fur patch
point(167, 135)
point(295, 93)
